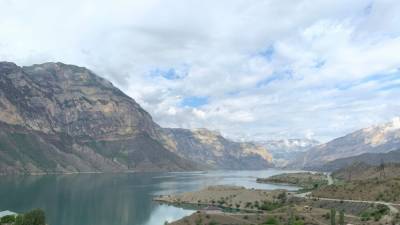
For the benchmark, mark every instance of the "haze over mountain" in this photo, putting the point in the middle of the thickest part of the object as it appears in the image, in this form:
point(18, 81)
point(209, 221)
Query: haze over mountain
point(64, 118)
point(285, 150)
point(380, 138)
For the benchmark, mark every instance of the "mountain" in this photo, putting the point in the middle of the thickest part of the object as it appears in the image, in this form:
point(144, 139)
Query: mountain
point(211, 148)
point(381, 138)
point(285, 150)
point(363, 171)
point(58, 118)
point(373, 159)
point(63, 118)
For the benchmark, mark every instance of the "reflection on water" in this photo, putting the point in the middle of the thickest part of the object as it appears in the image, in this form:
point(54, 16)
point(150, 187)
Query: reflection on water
point(113, 199)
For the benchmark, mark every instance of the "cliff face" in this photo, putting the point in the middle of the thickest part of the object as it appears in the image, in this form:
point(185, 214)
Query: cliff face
point(380, 138)
point(212, 149)
point(63, 118)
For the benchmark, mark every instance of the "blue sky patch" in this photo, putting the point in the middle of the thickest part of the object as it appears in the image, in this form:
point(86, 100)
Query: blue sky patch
point(268, 53)
point(194, 101)
point(170, 73)
point(275, 77)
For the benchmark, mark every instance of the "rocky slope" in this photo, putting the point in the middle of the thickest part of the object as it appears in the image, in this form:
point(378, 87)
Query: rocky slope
point(202, 145)
point(372, 159)
point(63, 118)
point(381, 138)
point(285, 150)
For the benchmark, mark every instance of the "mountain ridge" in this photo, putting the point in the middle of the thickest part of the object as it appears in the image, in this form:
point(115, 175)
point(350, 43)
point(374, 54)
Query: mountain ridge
point(380, 138)
point(82, 123)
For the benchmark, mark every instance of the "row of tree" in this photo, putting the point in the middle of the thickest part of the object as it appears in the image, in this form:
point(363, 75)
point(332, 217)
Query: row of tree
point(34, 217)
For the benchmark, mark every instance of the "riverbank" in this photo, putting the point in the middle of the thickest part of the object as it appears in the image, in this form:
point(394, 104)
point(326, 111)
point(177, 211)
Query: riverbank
point(306, 180)
point(275, 206)
point(229, 197)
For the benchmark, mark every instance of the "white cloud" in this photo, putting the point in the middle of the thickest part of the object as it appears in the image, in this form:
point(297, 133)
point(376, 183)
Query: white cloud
point(268, 69)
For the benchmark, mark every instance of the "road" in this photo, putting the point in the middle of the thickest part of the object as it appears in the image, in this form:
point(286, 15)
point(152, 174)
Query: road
point(393, 209)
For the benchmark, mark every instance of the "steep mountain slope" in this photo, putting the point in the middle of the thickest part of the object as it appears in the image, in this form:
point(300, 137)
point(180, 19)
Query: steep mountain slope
point(63, 118)
point(202, 145)
point(375, 139)
point(372, 159)
point(285, 150)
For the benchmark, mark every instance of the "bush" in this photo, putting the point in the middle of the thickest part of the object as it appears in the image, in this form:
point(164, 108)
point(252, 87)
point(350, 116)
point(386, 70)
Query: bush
point(7, 219)
point(34, 217)
point(268, 206)
point(271, 221)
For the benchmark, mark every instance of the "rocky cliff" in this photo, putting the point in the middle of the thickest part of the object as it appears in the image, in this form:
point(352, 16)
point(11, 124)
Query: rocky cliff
point(212, 149)
point(58, 118)
point(63, 118)
point(380, 138)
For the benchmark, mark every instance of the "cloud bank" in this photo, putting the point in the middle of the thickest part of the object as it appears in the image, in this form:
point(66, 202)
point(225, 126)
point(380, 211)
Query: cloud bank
point(251, 69)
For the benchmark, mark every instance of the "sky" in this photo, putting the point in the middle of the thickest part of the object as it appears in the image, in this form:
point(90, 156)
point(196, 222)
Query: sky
point(250, 69)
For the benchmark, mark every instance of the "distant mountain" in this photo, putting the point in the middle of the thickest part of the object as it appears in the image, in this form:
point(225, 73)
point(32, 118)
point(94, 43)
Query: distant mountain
point(211, 148)
point(58, 118)
point(381, 138)
point(372, 159)
point(285, 150)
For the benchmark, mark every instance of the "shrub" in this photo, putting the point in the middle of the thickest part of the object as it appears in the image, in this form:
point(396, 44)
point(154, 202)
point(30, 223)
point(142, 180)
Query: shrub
point(7, 219)
point(272, 221)
point(34, 217)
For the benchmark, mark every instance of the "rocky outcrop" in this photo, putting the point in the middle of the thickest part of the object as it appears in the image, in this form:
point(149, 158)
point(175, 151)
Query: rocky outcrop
point(63, 118)
point(58, 118)
point(381, 138)
point(212, 149)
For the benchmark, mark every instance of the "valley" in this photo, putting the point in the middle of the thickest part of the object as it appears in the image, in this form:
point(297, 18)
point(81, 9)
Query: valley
point(62, 120)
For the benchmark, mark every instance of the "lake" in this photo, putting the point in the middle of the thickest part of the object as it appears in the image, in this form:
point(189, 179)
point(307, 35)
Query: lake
point(114, 199)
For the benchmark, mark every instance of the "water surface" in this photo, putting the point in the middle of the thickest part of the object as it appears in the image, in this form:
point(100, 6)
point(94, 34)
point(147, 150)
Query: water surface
point(114, 199)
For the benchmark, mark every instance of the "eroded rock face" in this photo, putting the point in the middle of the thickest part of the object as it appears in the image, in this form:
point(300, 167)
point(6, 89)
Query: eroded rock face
point(212, 149)
point(63, 118)
point(380, 138)
point(54, 97)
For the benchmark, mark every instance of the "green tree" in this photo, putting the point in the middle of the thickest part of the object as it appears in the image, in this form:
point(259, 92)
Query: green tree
point(19, 220)
point(34, 217)
point(341, 217)
point(333, 216)
point(7, 219)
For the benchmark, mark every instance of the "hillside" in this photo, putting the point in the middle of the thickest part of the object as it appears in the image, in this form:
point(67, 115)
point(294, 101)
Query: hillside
point(211, 148)
point(361, 181)
point(381, 138)
point(63, 118)
point(58, 118)
point(362, 171)
point(367, 158)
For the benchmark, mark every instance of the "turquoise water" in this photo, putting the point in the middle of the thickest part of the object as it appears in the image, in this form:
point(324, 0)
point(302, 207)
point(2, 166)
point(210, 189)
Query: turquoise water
point(114, 199)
